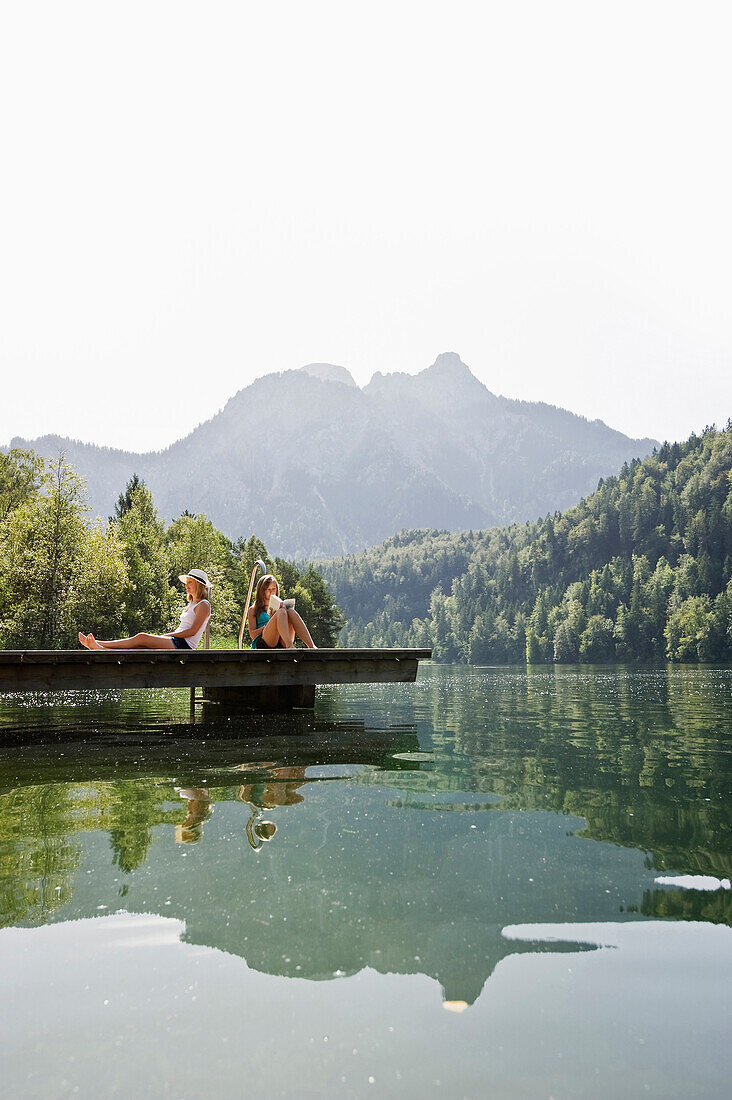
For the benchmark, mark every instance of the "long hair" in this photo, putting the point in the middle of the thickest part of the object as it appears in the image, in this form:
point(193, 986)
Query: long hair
point(201, 592)
point(259, 603)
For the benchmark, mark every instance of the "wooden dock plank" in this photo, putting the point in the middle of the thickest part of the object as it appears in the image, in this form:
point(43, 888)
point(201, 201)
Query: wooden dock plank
point(62, 670)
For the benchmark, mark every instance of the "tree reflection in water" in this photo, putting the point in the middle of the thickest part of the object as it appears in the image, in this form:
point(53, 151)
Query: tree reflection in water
point(406, 840)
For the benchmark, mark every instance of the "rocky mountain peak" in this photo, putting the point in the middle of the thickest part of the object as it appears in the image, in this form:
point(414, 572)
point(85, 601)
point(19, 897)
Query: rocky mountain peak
point(447, 373)
point(449, 362)
point(435, 449)
point(450, 380)
point(329, 372)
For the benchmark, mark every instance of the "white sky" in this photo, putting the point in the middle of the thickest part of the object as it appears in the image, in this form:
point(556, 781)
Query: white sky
point(192, 195)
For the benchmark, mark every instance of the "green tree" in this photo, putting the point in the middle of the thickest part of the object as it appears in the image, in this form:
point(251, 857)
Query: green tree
point(596, 644)
point(534, 649)
point(20, 473)
point(142, 534)
point(194, 543)
point(125, 498)
point(566, 644)
point(687, 629)
point(41, 543)
point(324, 618)
point(56, 575)
point(102, 590)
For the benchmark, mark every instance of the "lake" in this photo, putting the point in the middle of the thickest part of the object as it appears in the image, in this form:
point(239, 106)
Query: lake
point(500, 882)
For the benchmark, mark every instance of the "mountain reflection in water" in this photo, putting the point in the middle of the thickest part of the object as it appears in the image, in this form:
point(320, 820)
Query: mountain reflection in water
point(398, 830)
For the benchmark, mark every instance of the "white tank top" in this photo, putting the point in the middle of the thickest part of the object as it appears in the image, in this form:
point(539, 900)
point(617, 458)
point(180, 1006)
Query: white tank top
point(186, 622)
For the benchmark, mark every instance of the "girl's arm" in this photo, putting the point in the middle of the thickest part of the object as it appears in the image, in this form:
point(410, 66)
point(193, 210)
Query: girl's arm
point(254, 630)
point(202, 612)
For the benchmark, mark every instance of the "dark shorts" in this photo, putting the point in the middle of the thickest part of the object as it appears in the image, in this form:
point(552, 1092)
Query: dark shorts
point(180, 643)
point(259, 643)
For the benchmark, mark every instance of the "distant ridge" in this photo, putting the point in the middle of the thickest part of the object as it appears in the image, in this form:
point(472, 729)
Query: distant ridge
point(329, 372)
point(317, 467)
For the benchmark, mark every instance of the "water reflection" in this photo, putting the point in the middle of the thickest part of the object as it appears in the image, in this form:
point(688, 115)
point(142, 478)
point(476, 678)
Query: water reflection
point(184, 902)
point(129, 786)
point(644, 756)
point(401, 829)
point(206, 1021)
point(198, 810)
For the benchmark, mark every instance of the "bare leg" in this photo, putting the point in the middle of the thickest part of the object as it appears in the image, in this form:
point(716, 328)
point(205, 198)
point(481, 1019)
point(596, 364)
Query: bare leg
point(139, 641)
point(277, 631)
point(297, 626)
point(283, 626)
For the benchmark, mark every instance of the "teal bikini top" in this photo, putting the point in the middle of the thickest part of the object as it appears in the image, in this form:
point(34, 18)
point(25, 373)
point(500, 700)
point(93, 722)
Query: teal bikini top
point(262, 620)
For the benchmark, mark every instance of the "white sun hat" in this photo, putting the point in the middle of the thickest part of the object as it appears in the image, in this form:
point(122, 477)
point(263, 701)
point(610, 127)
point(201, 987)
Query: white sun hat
point(199, 575)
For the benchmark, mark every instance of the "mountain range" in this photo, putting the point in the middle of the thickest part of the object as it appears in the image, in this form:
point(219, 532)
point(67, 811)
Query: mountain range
point(316, 466)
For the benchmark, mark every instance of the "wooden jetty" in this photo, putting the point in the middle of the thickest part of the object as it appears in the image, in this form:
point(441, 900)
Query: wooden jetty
point(272, 679)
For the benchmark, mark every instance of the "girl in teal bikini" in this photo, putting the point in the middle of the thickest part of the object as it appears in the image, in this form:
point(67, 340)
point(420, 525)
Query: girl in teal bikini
point(276, 631)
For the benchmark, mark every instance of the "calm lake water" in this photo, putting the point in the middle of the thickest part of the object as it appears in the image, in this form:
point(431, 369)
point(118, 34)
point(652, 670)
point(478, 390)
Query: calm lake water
point(494, 882)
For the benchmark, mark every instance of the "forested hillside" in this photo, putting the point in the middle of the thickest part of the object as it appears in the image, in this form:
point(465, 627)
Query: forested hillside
point(59, 574)
point(641, 569)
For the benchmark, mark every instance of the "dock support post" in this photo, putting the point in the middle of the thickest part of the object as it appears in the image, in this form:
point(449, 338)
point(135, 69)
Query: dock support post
point(269, 698)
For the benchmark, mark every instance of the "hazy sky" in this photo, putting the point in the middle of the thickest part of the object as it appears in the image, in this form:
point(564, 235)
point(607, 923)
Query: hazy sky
point(193, 195)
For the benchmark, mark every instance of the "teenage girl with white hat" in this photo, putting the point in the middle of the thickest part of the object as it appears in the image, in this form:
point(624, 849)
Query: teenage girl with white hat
point(193, 621)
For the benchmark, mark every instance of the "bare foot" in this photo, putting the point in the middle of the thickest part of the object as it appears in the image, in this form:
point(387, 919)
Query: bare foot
point(92, 643)
point(83, 640)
